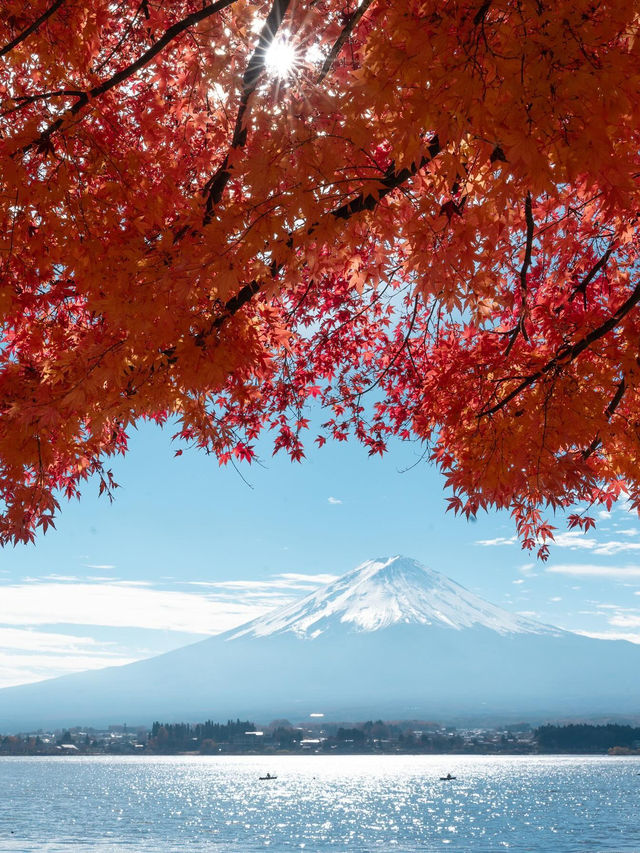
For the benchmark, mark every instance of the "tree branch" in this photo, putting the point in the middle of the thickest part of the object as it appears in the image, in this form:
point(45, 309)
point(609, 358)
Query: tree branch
point(216, 184)
point(526, 263)
point(568, 353)
point(344, 35)
point(613, 405)
point(119, 77)
point(481, 13)
point(391, 181)
point(32, 28)
point(595, 269)
point(25, 100)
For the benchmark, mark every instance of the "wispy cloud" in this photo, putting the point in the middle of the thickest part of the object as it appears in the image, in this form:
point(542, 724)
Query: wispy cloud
point(610, 547)
point(30, 650)
point(499, 540)
point(617, 617)
point(290, 583)
point(621, 617)
point(611, 635)
point(24, 668)
point(54, 577)
point(57, 600)
point(575, 540)
point(622, 621)
point(309, 580)
point(594, 570)
point(31, 655)
point(123, 604)
point(28, 640)
point(101, 566)
point(334, 500)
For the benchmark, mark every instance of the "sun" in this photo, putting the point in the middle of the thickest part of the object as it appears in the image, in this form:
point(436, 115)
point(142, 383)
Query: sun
point(281, 57)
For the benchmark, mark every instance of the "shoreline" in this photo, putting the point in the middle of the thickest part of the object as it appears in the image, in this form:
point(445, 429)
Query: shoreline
point(265, 755)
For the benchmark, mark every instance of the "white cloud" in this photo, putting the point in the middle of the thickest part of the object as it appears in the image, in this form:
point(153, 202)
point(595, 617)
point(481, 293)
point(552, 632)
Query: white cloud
point(610, 635)
point(31, 655)
point(57, 600)
point(124, 604)
point(628, 531)
point(607, 549)
point(103, 566)
point(604, 514)
point(334, 500)
point(499, 540)
point(291, 582)
point(626, 506)
point(618, 617)
point(556, 598)
point(29, 640)
point(576, 539)
point(24, 668)
point(594, 570)
point(622, 620)
point(315, 580)
point(63, 578)
point(520, 580)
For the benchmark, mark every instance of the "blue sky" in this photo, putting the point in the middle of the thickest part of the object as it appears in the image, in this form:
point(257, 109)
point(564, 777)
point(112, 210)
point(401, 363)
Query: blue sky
point(188, 549)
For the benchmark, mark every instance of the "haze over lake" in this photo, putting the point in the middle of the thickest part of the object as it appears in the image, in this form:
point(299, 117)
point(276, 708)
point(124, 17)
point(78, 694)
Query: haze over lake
point(391, 637)
point(355, 803)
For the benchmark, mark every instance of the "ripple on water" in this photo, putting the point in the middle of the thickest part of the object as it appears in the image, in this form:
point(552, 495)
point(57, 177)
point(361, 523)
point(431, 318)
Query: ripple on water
point(361, 803)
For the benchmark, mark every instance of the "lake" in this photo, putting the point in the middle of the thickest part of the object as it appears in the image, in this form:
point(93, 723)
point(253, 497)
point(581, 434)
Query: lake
point(191, 804)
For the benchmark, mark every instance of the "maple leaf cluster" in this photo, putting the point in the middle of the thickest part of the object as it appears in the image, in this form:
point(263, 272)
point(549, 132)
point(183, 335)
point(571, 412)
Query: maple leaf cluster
point(428, 224)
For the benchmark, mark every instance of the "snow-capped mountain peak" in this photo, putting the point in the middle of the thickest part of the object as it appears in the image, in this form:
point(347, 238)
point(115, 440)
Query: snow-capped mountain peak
point(384, 592)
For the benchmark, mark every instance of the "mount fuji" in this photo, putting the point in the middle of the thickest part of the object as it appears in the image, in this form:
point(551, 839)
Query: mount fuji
point(390, 638)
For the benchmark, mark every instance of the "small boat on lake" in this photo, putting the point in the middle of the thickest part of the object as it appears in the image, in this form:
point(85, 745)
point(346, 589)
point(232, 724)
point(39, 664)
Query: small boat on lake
point(267, 778)
point(447, 778)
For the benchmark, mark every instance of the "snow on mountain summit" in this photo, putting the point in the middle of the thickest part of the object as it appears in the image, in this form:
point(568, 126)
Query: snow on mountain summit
point(384, 592)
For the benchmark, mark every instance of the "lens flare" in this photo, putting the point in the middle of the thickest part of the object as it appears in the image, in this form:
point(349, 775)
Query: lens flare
point(280, 58)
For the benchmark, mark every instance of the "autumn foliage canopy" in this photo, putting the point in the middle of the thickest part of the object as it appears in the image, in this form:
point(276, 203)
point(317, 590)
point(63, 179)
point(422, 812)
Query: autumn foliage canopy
point(422, 215)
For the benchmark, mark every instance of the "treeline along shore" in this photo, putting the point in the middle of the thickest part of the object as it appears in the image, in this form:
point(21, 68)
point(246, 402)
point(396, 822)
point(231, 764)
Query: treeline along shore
point(282, 737)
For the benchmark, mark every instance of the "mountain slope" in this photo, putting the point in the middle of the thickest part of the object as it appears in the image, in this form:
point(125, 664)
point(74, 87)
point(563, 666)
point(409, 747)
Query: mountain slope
point(384, 592)
point(390, 638)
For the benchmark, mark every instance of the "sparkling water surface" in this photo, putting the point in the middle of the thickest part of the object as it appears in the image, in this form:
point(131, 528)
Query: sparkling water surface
point(318, 803)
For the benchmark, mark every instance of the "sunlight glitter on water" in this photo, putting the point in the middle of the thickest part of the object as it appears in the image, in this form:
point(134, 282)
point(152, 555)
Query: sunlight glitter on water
point(318, 803)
